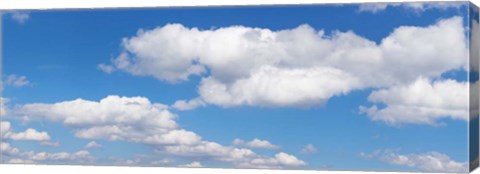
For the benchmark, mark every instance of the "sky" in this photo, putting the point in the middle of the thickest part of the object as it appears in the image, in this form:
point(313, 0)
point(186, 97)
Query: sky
point(379, 87)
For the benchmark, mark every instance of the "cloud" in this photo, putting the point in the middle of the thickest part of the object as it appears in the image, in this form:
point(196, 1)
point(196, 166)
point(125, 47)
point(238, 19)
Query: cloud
point(106, 68)
point(16, 80)
point(280, 159)
point(194, 164)
point(427, 162)
point(19, 16)
point(29, 134)
point(3, 108)
point(299, 67)
point(414, 6)
point(421, 102)
point(18, 156)
point(50, 143)
point(20, 161)
point(133, 119)
point(7, 149)
point(309, 149)
point(239, 157)
point(188, 105)
point(136, 119)
point(92, 145)
point(162, 162)
point(255, 143)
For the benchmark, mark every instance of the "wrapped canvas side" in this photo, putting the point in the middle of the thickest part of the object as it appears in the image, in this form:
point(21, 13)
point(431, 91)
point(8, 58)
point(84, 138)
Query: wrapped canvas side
point(474, 37)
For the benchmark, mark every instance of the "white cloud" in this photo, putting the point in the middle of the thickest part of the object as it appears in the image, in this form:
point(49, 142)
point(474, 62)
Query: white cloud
point(162, 162)
point(92, 145)
point(17, 156)
point(194, 164)
point(16, 80)
point(240, 157)
point(18, 16)
point(7, 149)
point(297, 67)
point(271, 86)
point(309, 149)
point(427, 162)
point(255, 143)
point(106, 68)
point(136, 119)
point(58, 156)
point(3, 108)
point(20, 161)
point(29, 134)
point(414, 6)
point(422, 102)
point(133, 119)
point(50, 143)
point(188, 105)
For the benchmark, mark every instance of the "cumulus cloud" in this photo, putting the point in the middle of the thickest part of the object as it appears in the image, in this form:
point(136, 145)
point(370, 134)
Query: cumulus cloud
point(194, 164)
point(421, 102)
point(136, 119)
point(133, 119)
point(427, 162)
point(255, 143)
point(240, 157)
point(309, 149)
point(92, 145)
point(414, 6)
point(16, 80)
point(29, 134)
point(7, 149)
point(297, 67)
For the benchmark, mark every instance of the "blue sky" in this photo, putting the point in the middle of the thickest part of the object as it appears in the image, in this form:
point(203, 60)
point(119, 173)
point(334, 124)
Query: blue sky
point(59, 53)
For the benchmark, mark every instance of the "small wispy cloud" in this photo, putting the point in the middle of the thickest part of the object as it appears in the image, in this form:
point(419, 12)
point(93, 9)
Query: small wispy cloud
point(413, 6)
point(16, 80)
point(255, 143)
point(309, 149)
point(192, 165)
point(92, 145)
point(18, 16)
point(428, 162)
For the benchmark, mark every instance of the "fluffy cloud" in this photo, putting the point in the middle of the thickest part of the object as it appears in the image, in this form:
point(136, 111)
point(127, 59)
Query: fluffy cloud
point(309, 149)
point(8, 150)
point(428, 162)
point(136, 119)
point(255, 143)
point(422, 102)
point(297, 67)
point(16, 80)
point(92, 145)
point(239, 157)
point(415, 6)
point(29, 134)
point(133, 119)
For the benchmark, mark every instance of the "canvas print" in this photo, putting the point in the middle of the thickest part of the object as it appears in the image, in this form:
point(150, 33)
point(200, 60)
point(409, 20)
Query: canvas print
point(361, 87)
